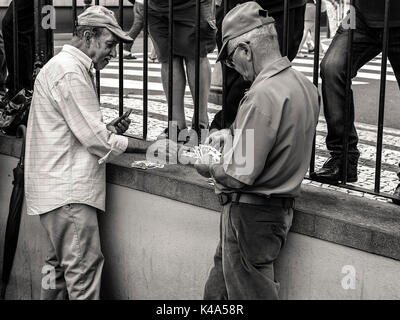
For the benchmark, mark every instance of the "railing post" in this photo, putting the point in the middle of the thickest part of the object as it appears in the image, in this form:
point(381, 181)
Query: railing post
point(15, 47)
point(316, 70)
point(74, 15)
point(224, 84)
point(348, 101)
point(197, 72)
point(285, 27)
point(382, 92)
point(170, 61)
point(145, 68)
point(121, 61)
point(97, 71)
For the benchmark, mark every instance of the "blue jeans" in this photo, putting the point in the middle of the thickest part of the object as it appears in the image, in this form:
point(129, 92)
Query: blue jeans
point(367, 44)
point(251, 237)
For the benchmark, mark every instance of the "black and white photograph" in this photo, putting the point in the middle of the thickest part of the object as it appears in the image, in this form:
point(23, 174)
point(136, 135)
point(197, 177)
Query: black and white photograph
point(193, 156)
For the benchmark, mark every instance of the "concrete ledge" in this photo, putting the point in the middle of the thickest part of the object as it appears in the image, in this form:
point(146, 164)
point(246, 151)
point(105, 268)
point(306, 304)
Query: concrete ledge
point(363, 224)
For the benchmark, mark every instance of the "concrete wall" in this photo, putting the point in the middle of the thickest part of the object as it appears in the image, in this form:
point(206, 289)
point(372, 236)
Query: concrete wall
point(158, 248)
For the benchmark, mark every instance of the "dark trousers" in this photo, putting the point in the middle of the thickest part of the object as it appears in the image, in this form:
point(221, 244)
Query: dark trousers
point(235, 84)
point(367, 43)
point(25, 44)
point(251, 237)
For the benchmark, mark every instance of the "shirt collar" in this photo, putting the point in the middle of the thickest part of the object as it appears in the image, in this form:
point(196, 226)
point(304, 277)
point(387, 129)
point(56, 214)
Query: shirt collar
point(80, 55)
point(273, 69)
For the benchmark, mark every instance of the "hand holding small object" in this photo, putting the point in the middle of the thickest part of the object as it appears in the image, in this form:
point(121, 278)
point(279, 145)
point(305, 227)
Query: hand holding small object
point(121, 124)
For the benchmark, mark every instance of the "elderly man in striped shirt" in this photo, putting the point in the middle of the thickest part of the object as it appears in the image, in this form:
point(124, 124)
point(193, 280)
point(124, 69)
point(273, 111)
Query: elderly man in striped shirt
point(67, 145)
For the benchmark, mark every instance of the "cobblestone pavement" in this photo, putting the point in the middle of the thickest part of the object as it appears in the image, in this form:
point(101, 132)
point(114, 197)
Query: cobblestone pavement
point(157, 119)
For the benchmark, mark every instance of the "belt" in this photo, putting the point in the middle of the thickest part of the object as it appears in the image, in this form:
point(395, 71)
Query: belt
point(249, 198)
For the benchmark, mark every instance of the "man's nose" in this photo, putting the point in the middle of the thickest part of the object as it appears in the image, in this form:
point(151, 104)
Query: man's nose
point(114, 52)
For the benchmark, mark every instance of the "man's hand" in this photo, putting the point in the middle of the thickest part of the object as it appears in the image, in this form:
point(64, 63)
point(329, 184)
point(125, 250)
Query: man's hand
point(119, 125)
point(217, 139)
point(203, 169)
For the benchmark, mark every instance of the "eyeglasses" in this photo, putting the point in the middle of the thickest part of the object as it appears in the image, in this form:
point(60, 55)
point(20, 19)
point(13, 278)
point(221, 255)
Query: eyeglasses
point(228, 61)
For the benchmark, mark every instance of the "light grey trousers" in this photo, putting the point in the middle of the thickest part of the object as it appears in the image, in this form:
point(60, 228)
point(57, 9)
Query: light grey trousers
point(74, 262)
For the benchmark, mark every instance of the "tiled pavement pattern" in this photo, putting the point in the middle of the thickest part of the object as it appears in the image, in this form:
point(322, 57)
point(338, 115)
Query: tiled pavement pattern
point(157, 117)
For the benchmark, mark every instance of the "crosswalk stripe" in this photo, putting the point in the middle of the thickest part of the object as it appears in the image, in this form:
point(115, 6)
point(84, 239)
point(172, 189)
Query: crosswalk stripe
point(363, 75)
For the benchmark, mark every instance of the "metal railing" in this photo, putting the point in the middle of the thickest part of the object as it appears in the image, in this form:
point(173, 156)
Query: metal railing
point(196, 100)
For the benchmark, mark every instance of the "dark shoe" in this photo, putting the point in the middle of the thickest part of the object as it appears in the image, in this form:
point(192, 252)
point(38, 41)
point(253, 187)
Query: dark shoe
point(331, 172)
point(397, 194)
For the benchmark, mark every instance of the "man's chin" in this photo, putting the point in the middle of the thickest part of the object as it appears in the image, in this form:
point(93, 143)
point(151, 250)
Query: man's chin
point(100, 66)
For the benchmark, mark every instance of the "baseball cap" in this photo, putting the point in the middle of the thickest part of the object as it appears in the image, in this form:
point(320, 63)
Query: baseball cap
point(240, 20)
point(99, 16)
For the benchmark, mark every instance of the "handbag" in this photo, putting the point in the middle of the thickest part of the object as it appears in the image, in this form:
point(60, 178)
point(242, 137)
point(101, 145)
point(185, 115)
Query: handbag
point(16, 112)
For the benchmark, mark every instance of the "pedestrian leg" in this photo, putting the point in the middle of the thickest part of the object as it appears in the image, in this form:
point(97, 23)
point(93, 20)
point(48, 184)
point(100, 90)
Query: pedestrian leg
point(179, 78)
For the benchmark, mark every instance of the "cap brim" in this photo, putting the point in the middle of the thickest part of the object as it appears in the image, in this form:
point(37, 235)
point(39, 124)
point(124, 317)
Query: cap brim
point(120, 34)
point(222, 52)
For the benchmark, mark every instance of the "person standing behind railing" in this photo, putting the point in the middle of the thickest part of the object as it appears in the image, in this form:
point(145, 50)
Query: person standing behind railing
point(235, 84)
point(367, 44)
point(309, 27)
point(184, 39)
point(137, 27)
point(25, 47)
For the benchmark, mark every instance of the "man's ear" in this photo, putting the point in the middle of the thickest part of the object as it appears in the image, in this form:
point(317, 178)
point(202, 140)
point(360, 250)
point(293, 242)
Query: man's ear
point(87, 35)
point(247, 50)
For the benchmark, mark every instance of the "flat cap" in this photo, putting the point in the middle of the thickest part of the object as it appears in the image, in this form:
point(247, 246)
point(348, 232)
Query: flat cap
point(99, 16)
point(240, 20)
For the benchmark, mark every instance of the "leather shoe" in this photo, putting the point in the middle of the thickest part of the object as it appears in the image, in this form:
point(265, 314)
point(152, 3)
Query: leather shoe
point(397, 194)
point(331, 172)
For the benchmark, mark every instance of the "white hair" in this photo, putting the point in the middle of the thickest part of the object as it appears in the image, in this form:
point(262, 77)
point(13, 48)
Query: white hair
point(264, 38)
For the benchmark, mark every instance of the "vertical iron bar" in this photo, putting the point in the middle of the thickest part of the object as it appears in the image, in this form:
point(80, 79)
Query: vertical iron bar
point(15, 47)
point(285, 27)
point(170, 60)
point(74, 15)
point(316, 68)
point(121, 61)
point(317, 33)
point(145, 69)
point(382, 93)
point(317, 40)
point(36, 14)
point(50, 42)
point(223, 67)
point(97, 71)
point(348, 101)
point(197, 72)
